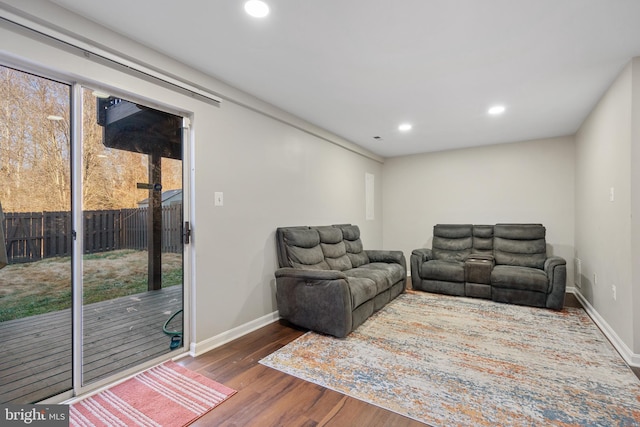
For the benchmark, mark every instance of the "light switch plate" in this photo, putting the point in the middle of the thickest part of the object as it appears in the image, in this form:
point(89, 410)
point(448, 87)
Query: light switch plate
point(218, 198)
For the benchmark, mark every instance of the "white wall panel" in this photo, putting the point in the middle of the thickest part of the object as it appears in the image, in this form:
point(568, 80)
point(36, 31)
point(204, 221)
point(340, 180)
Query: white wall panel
point(529, 181)
point(603, 227)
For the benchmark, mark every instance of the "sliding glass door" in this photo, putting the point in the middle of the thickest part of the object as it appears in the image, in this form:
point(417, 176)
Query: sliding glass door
point(35, 237)
point(91, 236)
point(132, 216)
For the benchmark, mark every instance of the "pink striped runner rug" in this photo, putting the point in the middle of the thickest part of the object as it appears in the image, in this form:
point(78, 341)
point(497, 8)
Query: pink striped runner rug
point(167, 395)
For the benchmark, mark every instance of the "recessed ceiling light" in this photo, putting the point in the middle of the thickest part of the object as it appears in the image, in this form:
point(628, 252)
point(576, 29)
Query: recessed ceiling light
point(405, 127)
point(256, 8)
point(496, 110)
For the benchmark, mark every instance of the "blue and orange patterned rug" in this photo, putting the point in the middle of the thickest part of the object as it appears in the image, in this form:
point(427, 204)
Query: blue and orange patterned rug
point(449, 361)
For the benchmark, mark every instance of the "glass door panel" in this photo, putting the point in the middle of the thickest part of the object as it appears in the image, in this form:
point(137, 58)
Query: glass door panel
point(35, 238)
point(132, 270)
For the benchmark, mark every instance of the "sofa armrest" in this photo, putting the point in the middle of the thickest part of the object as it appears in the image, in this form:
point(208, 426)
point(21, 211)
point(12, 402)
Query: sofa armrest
point(556, 269)
point(552, 262)
point(319, 300)
point(310, 275)
point(422, 254)
point(385, 256)
point(391, 257)
point(418, 257)
point(483, 257)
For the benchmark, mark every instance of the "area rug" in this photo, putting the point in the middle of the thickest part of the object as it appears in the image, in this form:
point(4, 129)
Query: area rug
point(167, 395)
point(449, 361)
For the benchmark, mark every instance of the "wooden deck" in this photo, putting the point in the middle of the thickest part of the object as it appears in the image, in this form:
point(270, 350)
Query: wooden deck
point(35, 360)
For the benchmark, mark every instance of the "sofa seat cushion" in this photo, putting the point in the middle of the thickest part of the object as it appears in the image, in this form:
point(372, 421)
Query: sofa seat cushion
point(362, 290)
point(379, 277)
point(523, 278)
point(448, 271)
point(393, 272)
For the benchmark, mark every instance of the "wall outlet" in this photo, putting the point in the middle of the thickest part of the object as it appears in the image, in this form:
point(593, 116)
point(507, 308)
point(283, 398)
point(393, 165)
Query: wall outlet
point(613, 291)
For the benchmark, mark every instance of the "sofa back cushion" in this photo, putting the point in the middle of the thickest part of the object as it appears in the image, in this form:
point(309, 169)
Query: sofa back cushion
point(483, 239)
point(334, 248)
point(452, 242)
point(353, 244)
point(299, 247)
point(521, 245)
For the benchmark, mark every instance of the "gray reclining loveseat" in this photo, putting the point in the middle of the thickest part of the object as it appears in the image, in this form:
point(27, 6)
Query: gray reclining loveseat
point(503, 262)
point(328, 283)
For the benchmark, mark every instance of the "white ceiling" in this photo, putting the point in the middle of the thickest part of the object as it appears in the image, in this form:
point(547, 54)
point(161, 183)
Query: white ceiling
point(359, 68)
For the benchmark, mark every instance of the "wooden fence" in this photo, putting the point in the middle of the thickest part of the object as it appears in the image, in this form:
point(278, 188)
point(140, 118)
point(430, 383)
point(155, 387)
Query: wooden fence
point(31, 236)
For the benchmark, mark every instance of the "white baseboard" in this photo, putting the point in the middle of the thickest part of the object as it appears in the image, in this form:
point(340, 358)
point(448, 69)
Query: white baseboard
point(631, 358)
point(196, 349)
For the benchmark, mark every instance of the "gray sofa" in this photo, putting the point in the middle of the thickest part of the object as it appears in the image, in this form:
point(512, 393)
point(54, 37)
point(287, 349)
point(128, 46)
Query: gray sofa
point(328, 283)
point(503, 262)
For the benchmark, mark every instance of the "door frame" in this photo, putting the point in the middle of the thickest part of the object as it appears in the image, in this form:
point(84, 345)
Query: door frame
point(80, 389)
point(77, 85)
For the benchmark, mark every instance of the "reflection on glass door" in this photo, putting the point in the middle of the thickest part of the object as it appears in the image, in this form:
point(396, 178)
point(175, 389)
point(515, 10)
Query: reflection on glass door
point(35, 238)
point(132, 219)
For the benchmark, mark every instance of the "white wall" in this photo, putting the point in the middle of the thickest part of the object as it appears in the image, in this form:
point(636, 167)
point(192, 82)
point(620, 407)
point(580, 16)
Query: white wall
point(272, 175)
point(603, 227)
point(273, 168)
point(635, 203)
point(529, 181)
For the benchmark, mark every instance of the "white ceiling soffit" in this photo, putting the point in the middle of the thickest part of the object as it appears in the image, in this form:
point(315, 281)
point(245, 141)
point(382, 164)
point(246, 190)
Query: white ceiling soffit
point(361, 68)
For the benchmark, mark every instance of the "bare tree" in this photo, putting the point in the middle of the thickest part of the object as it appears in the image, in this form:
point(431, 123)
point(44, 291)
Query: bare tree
point(35, 151)
point(34, 144)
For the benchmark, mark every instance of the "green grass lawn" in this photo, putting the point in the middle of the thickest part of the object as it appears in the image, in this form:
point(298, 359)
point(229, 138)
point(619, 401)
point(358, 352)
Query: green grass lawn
point(45, 286)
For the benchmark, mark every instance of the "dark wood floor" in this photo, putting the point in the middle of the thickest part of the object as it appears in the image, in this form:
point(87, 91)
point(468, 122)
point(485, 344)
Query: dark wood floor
point(267, 397)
